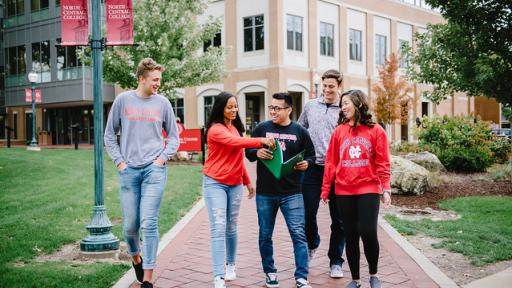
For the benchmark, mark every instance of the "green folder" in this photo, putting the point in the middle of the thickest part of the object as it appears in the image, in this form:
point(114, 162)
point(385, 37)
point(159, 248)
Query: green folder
point(276, 165)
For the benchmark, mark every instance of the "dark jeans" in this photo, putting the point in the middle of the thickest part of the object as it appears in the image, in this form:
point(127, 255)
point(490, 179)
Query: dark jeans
point(292, 208)
point(360, 214)
point(311, 189)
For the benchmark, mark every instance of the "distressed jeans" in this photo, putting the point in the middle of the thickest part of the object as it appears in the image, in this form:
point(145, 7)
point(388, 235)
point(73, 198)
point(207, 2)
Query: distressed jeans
point(223, 203)
point(292, 208)
point(141, 193)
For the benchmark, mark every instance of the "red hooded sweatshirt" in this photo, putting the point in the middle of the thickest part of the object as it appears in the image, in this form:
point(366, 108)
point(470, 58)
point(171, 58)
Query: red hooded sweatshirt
point(358, 159)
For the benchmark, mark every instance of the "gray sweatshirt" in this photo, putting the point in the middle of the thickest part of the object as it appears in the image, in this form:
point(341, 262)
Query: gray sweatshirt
point(320, 120)
point(140, 121)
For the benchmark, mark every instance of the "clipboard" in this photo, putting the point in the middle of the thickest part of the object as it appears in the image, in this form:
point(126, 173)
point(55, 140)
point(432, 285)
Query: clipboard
point(277, 167)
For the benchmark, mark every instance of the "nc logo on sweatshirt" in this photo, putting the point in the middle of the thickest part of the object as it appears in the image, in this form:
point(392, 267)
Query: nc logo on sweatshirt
point(354, 152)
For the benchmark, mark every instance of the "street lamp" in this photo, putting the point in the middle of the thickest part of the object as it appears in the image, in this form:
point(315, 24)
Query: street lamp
point(316, 81)
point(32, 78)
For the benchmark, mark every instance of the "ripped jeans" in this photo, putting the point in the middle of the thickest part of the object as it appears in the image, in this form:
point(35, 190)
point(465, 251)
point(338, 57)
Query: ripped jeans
point(223, 203)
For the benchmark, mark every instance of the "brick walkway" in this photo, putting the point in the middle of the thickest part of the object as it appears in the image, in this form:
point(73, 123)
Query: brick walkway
point(186, 261)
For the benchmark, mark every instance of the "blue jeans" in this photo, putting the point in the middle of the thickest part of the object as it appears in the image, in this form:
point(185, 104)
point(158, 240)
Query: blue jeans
point(292, 207)
point(223, 203)
point(141, 193)
point(311, 188)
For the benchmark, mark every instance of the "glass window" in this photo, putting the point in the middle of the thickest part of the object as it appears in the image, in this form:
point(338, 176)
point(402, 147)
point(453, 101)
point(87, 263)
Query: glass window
point(36, 5)
point(68, 63)
point(326, 39)
point(380, 49)
point(254, 33)
point(41, 60)
point(178, 107)
point(294, 32)
point(215, 41)
point(208, 105)
point(14, 8)
point(15, 68)
point(402, 44)
point(355, 45)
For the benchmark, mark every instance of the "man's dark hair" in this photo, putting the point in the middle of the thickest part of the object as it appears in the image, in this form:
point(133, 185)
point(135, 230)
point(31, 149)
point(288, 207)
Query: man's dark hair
point(333, 74)
point(284, 96)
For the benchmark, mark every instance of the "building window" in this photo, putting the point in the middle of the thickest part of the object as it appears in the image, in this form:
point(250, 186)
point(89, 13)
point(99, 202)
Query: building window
point(178, 107)
point(68, 64)
point(57, 2)
point(16, 68)
point(215, 41)
point(380, 49)
point(402, 45)
point(36, 5)
point(424, 108)
point(254, 34)
point(355, 45)
point(208, 105)
point(14, 8)
point(41, 60)
point(294, 32)
point(15, 125)
point(326, 39)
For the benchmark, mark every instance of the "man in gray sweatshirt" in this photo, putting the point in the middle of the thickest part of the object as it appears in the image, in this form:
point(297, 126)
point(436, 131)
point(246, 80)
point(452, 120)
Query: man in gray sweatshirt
point(140, 116)
point(320, 117)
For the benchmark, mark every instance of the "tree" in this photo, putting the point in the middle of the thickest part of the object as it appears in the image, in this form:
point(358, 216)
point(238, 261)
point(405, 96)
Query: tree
point(471, 52)
point(168, 32)
point(392, 92)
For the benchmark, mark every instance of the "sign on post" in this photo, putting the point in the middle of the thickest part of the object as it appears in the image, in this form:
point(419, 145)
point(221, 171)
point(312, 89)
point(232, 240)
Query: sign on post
point(119, 22)
point(75, 24)
point(28, 95)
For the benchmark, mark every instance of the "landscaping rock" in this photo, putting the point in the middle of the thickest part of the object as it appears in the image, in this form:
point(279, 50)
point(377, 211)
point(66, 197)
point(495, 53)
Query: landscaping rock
point(408, 177)
point(427, 160)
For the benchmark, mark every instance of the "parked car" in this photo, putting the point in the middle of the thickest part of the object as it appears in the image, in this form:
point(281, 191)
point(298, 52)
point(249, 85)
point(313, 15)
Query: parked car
point(503, 132)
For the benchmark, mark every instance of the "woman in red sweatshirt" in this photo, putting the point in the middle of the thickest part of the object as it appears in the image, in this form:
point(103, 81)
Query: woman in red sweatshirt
point(224, 177)
point(358, 163)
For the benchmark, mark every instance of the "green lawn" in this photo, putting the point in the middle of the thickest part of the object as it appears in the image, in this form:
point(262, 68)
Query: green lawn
point(46, 199)
point(483, 233)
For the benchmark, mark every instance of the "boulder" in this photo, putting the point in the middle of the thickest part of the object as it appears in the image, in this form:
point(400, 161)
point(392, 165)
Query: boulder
point(408, 177)
point(427, 160)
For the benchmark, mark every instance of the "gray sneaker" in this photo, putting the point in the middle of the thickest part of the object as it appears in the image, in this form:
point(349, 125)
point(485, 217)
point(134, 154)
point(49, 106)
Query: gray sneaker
point(353, 284)
point(336, 271)
point(374, 282)
point(302, 283)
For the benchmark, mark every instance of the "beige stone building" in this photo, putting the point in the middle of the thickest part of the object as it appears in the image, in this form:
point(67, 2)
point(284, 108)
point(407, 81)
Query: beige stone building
point(282, 45)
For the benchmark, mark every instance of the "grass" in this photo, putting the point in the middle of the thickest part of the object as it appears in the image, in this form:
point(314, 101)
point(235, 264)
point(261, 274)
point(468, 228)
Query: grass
point(46, 200)
point(483, 233)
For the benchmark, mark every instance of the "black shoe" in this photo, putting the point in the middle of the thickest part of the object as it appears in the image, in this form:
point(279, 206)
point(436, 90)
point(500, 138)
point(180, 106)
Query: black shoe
point(146, 284)
point(139, 272)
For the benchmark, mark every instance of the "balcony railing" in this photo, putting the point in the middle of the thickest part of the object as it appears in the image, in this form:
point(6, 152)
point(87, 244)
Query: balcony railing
point(15, 80)
point(14, 21)
point(72, 73)
point(40, 14)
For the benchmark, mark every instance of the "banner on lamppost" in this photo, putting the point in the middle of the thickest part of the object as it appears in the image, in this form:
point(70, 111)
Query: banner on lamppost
point(28, 95)
point(119, 22)
point(74, 22)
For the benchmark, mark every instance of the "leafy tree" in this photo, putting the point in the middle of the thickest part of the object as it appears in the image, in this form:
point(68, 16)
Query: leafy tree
point(168, 32)
point(392, 92)
point(470, 52)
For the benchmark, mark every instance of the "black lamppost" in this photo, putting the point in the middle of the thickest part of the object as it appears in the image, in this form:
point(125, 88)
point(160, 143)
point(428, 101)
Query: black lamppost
point(32, 77)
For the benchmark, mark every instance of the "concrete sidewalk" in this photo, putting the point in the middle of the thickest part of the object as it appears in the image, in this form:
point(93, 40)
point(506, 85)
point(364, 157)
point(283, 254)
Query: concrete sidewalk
point(186, 260)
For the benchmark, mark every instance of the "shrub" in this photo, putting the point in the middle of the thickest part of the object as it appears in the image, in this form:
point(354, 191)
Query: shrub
point(460, 143)
point(501, 172)
point(398, 148)
point(501, 148)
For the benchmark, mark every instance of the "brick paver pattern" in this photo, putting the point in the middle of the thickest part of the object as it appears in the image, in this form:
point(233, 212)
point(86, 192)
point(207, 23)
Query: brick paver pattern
point(186, 261)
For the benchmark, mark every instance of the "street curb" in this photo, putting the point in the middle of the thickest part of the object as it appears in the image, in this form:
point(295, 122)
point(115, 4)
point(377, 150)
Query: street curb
point(129, 277)
point(426, 265)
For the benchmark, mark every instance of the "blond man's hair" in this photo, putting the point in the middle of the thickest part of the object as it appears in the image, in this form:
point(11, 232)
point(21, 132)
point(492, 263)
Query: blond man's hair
point(147, 65)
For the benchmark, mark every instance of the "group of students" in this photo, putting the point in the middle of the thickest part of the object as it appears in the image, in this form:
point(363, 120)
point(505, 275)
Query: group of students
point(346, 165)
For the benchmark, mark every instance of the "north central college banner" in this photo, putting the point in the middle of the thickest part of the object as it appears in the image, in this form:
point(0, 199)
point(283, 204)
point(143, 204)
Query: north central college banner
point(74, 19)
point(119, 22)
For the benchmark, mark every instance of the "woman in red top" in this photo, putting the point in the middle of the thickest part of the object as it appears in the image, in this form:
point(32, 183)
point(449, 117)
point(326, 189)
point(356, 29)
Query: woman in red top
point(359, 163)
point(224, 177)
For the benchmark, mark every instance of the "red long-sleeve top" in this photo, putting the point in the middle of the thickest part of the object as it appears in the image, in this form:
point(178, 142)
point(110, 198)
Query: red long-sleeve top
point(225, 161)
point(358, 159)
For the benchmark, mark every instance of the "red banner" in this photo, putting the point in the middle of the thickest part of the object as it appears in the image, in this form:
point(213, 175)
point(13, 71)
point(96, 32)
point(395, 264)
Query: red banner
point(119, 22)
point(190, 140)
point(74, 22)
point(28, 95)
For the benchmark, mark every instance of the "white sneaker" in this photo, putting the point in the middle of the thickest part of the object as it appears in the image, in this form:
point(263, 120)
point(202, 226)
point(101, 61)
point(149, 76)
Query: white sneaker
point(311, 253)
point(302, 283)
point(230, 272)
point(219, 282)
point(336, 271)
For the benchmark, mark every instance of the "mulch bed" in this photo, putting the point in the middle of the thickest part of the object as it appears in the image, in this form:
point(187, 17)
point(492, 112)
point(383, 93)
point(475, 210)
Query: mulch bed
point(461, 186)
